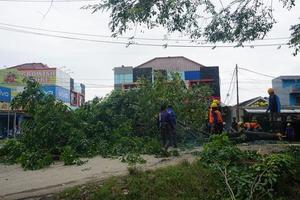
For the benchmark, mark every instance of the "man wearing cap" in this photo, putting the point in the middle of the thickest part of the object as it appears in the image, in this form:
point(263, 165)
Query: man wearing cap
point(274, 107)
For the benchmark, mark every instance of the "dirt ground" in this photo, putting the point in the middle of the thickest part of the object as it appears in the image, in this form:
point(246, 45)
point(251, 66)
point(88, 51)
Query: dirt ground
point(15, 183)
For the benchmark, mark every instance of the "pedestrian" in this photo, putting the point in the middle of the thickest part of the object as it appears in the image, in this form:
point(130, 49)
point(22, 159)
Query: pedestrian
point(172, 113)
point(165, 127)
point(215, 119)
point(274, 108)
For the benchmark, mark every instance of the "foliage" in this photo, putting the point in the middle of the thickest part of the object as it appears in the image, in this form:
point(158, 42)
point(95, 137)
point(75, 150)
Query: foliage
point(69, 156)
point(11, 151)
point(295, 38)
point(133, 159)
point(34, 160)
point(215, 21)
point(247, 175)
point(122, 124)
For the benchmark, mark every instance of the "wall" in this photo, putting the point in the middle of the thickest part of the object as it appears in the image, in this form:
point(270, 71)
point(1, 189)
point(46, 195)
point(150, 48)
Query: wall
point(287, 90)
point(63, 79)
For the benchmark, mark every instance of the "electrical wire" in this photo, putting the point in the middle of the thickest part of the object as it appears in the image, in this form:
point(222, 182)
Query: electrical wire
point(135, 43)
point(119, 37)
point(266, 75)
point(46, 1)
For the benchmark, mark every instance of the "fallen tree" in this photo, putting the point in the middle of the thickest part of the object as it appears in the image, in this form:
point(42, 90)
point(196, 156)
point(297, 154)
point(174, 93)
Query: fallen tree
point(124, 122)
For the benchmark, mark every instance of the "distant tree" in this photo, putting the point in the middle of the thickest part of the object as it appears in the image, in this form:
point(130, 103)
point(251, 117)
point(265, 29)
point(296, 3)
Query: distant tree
point(232, 21)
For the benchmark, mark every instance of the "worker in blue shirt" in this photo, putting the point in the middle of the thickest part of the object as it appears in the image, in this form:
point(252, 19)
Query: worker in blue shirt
point(165, 127)
point(274, 108)
point(172, 113)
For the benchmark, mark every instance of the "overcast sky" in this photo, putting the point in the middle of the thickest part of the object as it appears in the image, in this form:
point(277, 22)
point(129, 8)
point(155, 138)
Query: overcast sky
point(92, 63)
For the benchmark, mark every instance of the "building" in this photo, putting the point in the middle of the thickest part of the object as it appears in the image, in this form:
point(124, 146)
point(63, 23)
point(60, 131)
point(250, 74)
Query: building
point(190, 71)
point(288, 90)
point(52, 80)
point(245, 107)
point(122, 75)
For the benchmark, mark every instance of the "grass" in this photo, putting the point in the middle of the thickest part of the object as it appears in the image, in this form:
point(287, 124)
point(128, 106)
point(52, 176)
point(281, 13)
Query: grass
point(183, 181)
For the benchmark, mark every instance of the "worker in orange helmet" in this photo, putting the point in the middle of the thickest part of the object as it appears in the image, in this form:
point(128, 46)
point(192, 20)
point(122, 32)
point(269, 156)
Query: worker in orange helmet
point(215, 119)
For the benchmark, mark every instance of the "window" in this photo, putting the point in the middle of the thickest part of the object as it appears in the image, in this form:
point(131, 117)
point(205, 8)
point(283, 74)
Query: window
point(288, 83)
point(123, 78)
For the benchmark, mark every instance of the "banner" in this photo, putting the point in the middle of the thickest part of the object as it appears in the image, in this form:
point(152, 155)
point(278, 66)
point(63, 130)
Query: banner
point(5, 94)
point(10, 78)
point(59, 93)
point(43, 76)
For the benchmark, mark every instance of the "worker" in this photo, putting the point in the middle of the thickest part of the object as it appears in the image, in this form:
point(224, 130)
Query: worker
point(172, 113)
point(273, 108)
point(251, 126)
point(215, 119)
point(165, 127)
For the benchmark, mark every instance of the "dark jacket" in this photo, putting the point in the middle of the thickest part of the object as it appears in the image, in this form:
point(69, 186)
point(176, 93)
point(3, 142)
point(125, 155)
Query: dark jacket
point(173, 116)
point(274, 104)
point(164, 120)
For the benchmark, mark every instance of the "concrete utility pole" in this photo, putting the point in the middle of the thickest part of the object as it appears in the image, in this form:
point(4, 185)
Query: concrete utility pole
point(237, 94)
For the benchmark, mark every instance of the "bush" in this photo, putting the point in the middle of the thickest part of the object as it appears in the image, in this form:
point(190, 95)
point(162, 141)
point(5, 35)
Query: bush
point(11, 151)
point(68, 156)
point(247, 175)
point(35, 160)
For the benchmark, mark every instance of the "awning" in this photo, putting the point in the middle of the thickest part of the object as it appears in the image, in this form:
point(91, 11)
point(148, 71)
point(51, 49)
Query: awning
point(259, 111)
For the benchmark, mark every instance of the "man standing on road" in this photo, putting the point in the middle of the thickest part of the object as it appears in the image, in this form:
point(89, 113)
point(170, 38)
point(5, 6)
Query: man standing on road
point(273, 108)
point(172, 113)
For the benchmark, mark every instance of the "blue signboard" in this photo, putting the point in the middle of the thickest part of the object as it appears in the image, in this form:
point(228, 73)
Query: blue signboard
point(49, 89)
point(60, 93)
point(192, 75)
point(5, 94)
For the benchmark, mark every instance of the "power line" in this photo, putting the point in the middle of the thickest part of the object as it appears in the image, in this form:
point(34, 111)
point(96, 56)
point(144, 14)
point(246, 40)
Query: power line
point(266, 75)
point(46, 1)
point(119, 37)
point(135, 43)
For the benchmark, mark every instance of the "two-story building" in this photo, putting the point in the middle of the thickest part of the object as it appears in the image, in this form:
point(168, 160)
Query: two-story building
point(288, 90)
point(190, 71)
point(53, 81)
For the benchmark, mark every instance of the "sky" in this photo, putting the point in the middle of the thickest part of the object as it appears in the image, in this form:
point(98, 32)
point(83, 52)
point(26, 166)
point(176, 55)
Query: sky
point(92, 63)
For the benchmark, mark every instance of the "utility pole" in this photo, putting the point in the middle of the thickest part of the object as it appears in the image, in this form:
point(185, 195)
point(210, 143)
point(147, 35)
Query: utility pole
point(237, 94)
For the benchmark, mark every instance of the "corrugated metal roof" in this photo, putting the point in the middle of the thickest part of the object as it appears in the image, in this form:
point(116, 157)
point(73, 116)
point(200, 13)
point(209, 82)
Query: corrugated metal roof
point(177, 63)
point(288, 77)
point(30, 66)
point(249, 110)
